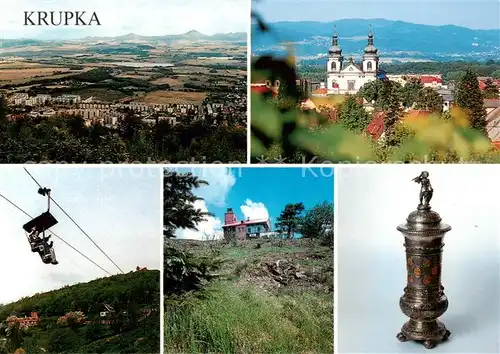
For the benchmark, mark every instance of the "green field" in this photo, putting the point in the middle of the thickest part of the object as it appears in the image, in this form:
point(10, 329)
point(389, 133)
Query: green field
point(272, 298)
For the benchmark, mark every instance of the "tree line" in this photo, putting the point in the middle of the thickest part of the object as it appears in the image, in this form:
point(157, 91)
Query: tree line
point(68, 139)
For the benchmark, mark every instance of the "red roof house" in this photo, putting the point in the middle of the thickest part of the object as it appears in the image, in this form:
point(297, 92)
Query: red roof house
point(376, 126)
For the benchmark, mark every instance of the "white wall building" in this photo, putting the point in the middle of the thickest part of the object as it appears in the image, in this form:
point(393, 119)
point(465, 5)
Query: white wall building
point(343, 79)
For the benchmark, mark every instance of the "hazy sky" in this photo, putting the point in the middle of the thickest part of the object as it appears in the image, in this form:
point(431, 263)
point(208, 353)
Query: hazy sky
point(477, 14)
point(255, 193)
point(117, 17)
point(120, 208)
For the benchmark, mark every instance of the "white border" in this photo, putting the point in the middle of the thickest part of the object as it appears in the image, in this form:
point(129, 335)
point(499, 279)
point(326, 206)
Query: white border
point(162, 248)
point(336, 175)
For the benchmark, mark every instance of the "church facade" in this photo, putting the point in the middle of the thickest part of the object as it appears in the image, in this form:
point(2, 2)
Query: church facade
point(349, 77)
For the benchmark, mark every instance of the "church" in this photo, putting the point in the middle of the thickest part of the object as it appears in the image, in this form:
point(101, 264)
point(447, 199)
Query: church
point(348, 78)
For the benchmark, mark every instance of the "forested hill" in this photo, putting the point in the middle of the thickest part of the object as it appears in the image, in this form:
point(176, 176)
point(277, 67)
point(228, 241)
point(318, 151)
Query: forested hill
point(141, 288)
point(394, 39)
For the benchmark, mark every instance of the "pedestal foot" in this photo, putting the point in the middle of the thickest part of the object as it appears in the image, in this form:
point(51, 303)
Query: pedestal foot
point(401, 337)
point(429, 344)
point(447, 335)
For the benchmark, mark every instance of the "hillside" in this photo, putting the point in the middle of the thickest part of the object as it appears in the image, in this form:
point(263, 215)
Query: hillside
point(130, 321)
point(394, 39)
point(268, 296)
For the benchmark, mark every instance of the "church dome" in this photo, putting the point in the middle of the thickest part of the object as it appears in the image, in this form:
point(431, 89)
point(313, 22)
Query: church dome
point(335, 48)
point(370, 48)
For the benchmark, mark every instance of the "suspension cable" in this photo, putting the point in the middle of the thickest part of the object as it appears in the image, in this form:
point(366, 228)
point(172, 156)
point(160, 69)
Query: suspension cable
point(74, 222)
point(59, 237)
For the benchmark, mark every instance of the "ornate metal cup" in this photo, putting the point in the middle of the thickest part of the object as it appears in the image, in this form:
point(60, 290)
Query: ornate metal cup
point(424, 299)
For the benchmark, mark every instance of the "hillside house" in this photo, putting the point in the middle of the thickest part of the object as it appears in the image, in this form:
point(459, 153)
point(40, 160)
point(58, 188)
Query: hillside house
point(28, 321)
point(245, 229)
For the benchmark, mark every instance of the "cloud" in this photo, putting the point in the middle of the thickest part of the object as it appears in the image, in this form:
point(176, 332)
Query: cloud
point(210, 228)
point(254, 210)
point(220, 181)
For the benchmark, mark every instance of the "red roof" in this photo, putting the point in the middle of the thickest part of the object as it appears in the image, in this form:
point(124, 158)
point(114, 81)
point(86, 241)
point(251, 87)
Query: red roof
point(376, 126)
point(429, 79)
point(417, 113)
point(496, 144)
point(492, 102)
point(263, 90)
point(321, 91)
point(482, 83)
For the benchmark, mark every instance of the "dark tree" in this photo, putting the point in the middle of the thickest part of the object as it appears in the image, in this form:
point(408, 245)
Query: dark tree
point(468, 97)
point(428, 99)
point(410, 91)
point(353, 116)
point(393, 113)
point(179, 211)
point(318, 223)
point(290, 219)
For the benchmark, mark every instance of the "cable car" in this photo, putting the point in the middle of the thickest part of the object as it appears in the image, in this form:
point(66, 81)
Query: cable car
point(36, 229)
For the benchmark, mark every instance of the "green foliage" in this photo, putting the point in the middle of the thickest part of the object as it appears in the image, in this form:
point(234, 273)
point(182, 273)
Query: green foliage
point(410, 92)
point(353, 116)
point(468, 97)
point(491, 90)
point(14, 334)
point(235, 319)
point(179, 211)
point(290, 219)
point(184, 272)
point(63, 340)
point(318, 223)
point(94, 331)
point(428, 99)
point(140, 286)
point(67, 139)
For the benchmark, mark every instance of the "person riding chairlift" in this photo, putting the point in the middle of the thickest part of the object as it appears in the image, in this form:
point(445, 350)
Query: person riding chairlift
point(49, 252)
point(34, 239)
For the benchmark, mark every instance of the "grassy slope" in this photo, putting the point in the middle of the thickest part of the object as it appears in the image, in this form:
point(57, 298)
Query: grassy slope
point(246, 311)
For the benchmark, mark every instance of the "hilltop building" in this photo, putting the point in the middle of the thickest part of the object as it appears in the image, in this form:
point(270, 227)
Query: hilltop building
point(245, 229)
point(348, 79)
point(28, 321)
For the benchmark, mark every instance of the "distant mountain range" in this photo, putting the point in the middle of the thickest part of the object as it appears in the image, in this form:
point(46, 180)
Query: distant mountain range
point(132, 37)
point(394, 39)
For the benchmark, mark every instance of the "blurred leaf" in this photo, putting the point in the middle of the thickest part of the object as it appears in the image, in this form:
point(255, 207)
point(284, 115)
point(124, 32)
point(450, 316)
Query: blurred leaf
point(265, 117)
point(258, 149)
point(333, 143)
point(459, 117)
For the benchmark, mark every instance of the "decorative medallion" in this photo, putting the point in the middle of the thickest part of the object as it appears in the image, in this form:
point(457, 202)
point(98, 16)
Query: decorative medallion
point(427, 280)
point(418, 272)
point(434, 270)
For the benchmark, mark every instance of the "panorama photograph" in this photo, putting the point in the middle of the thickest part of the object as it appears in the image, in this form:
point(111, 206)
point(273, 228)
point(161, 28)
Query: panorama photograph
point(135, 81)
point(81, 267)
point(248, 266)
point(375, 81)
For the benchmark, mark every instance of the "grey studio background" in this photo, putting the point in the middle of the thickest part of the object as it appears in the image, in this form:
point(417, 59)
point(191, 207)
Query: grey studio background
point(371, 262)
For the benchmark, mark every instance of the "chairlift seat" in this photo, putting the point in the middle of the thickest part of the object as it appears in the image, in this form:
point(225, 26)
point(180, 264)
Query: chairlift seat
point(41, 223)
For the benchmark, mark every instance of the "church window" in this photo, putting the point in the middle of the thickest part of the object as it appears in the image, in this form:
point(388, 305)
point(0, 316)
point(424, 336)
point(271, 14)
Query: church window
point(350, 69)
point(369, 65)
point(334, 66)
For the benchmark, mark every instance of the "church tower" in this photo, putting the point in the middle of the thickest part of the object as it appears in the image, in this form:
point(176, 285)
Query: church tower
point(335, 57)
point(370, 58)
